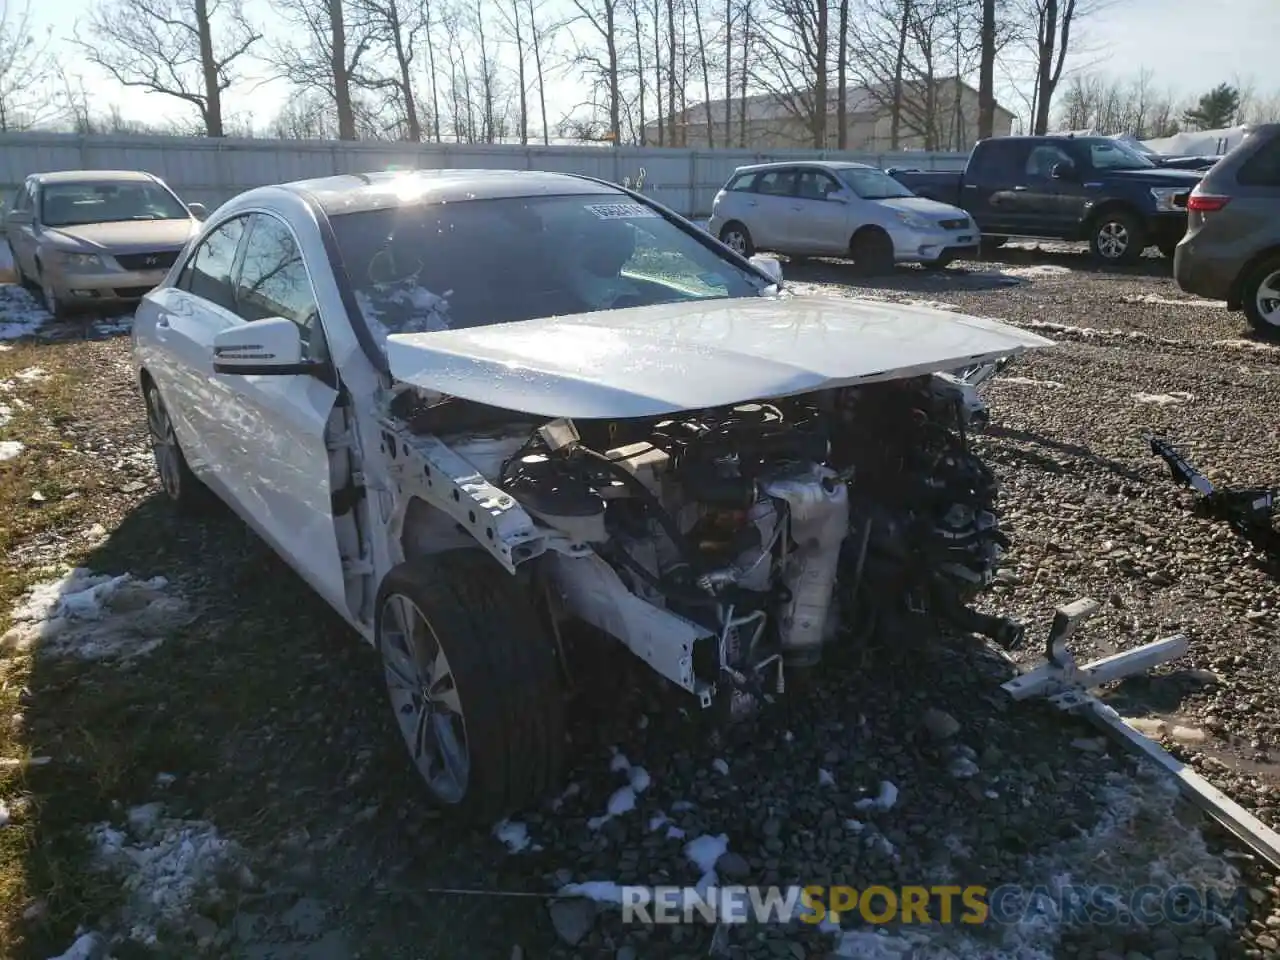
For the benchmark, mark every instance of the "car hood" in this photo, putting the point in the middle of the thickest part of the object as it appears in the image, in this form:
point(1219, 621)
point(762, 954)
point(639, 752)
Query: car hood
point(1160, 176)
point(923, 207)
point(651, 361)
point(125, 236)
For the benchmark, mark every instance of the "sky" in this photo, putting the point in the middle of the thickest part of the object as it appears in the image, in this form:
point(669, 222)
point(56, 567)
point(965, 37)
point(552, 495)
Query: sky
point(1182, 42)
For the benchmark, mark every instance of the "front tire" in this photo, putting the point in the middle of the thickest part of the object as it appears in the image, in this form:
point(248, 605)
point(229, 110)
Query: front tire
point(1118, 237)
point(1260, 294)
point(49, 295)
point(872, 252)
point(474, 683)
point(181, 486)
point(737, 238)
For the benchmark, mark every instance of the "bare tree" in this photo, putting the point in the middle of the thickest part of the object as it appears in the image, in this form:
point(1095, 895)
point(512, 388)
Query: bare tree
point(511, 18)
point(842, 76)
point(28, 96)
point(395, 29)
point(987, 71)
point(706, 73)
point(1047, 27)
point(169, 47)
point(601, 19)
point(791, 65)
point(329, 57)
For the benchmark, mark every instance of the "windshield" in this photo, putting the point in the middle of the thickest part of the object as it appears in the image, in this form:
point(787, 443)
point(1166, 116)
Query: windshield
point(418, 268)
point(73, 204)
point(872, 184)
point(1115, 155)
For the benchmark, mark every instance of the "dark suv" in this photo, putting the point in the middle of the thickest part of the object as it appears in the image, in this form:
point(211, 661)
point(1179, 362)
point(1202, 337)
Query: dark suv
point(1231, 250)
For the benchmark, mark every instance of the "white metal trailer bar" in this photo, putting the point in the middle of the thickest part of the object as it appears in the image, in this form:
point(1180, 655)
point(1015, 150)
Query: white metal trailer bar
point(1069, 687)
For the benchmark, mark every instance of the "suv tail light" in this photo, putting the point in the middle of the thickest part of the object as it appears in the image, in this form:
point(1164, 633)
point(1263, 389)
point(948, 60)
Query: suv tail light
point(1206, 202)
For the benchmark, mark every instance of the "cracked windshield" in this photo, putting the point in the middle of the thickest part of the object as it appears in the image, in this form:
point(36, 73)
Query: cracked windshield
point(428, 267)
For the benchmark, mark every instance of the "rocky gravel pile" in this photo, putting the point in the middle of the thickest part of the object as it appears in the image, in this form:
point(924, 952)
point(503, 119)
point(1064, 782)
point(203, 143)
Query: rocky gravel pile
point(895, 765)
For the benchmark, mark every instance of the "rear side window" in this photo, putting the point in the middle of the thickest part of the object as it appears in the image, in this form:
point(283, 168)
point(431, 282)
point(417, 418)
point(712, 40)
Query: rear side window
point(1263, 168)
point(1002, 159)
point(208, 272)
point(777, 183)
point(741, 182)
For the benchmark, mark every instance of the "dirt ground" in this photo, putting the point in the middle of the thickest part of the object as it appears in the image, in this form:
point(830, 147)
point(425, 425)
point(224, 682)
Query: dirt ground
point(205, 764)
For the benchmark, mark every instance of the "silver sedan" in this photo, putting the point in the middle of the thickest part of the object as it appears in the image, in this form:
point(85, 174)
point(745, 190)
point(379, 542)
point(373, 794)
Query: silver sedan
point(94, 237)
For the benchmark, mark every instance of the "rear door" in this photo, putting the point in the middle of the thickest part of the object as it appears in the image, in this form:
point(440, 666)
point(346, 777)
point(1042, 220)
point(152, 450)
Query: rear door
point(991, 185)
point(774, 193)
point(818, 222)
point(1049, 207)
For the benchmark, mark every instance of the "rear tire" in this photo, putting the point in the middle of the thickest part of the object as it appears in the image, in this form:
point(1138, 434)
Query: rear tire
point(183, 488)
point(1118, 237)
point(872, 252)
point(1260, 294)
point(737, 237)
point(474, 682)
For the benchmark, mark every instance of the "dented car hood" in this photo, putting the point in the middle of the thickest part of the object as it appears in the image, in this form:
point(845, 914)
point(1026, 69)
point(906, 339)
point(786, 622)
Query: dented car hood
point(656, 360)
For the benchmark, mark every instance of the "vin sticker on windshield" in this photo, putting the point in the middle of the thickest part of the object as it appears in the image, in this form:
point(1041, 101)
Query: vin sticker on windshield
point(621, 211)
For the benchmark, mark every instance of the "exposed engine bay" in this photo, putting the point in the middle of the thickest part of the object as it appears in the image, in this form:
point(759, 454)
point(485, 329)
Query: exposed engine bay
point(727, 546)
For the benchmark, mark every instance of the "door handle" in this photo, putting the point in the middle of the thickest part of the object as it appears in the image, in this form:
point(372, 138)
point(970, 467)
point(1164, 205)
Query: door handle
point(752, 203)
point(163, 321)
point(971, 186)
point(1019, 189)
point(797, 208)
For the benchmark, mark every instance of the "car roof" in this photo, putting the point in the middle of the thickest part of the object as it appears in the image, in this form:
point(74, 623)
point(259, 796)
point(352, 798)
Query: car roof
point(819, 164)
point(95, 176)
point(352, 193)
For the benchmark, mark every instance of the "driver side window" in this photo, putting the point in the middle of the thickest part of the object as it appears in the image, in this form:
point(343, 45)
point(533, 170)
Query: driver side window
point(207, 273)
point(273, 280)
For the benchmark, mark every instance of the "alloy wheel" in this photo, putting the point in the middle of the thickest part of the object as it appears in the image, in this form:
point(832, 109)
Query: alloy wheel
point(1113, 239)
point(424, 696)
point(735, 240)
point(164, 444)
point(1268, 299)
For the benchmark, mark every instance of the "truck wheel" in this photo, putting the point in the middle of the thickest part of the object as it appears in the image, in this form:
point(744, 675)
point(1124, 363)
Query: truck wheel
point(473, 681)
point(1118, 237)
point(1260, 294)
point(872, 252)
point(737, 238)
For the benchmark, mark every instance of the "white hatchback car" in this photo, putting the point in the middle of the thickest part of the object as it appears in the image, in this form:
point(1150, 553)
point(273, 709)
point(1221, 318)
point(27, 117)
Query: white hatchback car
point(473, 409)
point(838, 209)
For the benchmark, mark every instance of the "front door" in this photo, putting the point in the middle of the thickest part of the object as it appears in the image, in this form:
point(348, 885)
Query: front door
point(1045, 205)
point(276, 425)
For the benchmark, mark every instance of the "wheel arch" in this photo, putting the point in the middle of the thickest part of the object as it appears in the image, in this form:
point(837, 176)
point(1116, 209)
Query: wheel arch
point(869, 229)
point(427, 531)
point(1111, 206)
point(1236, 297)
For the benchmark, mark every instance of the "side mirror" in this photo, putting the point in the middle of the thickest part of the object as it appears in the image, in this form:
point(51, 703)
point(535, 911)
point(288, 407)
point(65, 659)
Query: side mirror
point(772, 266)
point(271, 347)
point(1063, 171)
point(19, 216)
point(198, 210)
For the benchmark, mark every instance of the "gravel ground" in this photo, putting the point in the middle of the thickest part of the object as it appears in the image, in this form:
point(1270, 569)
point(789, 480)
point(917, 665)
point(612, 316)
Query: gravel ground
point(305, 773)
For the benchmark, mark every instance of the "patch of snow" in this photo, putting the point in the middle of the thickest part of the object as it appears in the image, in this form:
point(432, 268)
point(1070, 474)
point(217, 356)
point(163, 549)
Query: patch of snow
point(962, 768)
point(4, 814)
point(705, 850)
point(640, 779)
point(1163, 399)
point(825, 779)
point(720, 767)
point(1171, 302)
point(32, 375)
point(882, 801)
point(1247, 345)
point(1029, 382)
point(856, 826)
point(96, 616)
point(10, 449)
point(657, 821)
point(514, 835)
point(1037, 270)
point(601, 891)
point(619, 763)
point(623, 799)
point(23, 316)
point(86, 947)
point(933, 305)
point(675, 833)
point(6, 414)
point(169, 868)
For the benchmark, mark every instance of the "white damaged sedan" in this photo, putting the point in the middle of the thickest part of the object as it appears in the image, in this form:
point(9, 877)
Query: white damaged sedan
point(491, 415)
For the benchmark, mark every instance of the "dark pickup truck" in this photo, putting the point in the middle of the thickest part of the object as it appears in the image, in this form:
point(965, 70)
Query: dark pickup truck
point(1066, 188)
